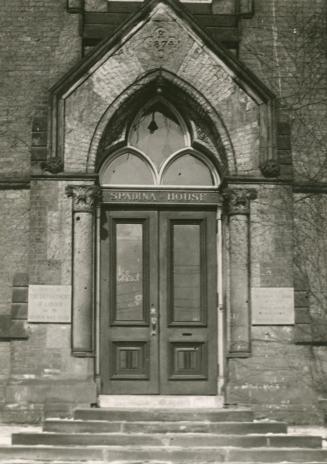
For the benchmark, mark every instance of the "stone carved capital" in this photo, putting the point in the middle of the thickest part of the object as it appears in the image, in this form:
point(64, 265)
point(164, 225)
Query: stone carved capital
point(53, 165)
point(270, 168)
point(84, 197)
point(237, 201)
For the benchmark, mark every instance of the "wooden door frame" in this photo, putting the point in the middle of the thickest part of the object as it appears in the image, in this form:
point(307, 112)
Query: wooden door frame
point(221, 291)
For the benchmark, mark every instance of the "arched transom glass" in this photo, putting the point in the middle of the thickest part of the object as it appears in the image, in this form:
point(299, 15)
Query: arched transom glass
point(158, 152)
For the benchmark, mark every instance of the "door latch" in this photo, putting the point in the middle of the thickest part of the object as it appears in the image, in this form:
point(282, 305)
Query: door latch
point(153, 320)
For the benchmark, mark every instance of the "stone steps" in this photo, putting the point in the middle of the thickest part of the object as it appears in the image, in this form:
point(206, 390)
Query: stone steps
point(138, 454)
point(24, 461)
point(165, 436)
point(222, 427)
point(170, 439)
point(160, 401)
point(171, 415)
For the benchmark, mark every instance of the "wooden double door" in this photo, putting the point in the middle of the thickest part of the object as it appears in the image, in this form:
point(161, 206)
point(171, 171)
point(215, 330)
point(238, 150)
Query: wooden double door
point(158, 328)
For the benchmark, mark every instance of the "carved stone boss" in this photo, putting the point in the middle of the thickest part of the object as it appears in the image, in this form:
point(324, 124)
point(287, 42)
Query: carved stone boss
point(84, 200)
point(237, 207)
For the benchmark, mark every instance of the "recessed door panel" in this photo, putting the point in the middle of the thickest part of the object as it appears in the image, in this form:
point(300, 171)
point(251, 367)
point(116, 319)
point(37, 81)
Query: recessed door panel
point(158, 302)
point(188, 351)
point(185, 272)
point(129, 288)
point(128, 268)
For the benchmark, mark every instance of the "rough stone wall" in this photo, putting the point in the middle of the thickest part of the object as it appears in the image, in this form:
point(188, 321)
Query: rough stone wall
point(39, 43)
point(14, 234)
point(285, 45)
point(44, 378)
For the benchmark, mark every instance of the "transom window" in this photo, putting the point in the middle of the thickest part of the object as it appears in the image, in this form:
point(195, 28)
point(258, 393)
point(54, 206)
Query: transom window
point(158, 153)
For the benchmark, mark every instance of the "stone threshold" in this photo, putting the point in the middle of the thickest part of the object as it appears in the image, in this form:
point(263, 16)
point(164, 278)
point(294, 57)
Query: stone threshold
point(160, 401)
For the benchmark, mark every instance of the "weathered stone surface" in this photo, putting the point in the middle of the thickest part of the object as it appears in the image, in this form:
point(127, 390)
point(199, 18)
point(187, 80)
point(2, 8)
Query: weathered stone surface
point(21, 279)
point(275, 364)
point(84, 199)
point(164, 414)
point(229, 427)
point(20, 295)
point(12, 329)
point(185, 441)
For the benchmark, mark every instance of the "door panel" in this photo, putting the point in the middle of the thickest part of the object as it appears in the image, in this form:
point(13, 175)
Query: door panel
point(188, 349)
point(129, 287)
point(158, 296)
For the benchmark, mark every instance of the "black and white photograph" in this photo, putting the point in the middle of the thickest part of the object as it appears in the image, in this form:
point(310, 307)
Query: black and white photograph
point(163, 231)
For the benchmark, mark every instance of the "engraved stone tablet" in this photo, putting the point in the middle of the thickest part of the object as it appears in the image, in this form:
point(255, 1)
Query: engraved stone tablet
point(49, 303)
point(272, 306)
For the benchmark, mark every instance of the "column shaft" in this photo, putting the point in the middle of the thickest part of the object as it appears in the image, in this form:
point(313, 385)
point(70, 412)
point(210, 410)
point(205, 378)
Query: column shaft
point(82, 329)
point(238, 209)
point(239, 284)
point(84, 199)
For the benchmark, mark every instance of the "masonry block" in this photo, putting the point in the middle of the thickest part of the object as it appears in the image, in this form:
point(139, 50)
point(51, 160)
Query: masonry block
point(301, 299)
point(285, 156)
point(39, 139)
point(74, 6)
point(21, 279)
point(39, 153)
point(302, 316)
point(303, 333)
point(19, 310)
point(12, 329)
point(20, 294)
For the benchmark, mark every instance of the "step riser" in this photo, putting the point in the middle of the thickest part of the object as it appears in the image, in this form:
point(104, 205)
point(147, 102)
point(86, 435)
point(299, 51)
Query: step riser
point(194, 455)
point(171, 415)
point(165, 440)
point(14, 461)
point(160, 401)
point(164, 427)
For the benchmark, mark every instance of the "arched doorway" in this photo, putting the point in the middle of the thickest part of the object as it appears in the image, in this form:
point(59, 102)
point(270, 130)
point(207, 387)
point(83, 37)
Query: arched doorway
point(158, 259)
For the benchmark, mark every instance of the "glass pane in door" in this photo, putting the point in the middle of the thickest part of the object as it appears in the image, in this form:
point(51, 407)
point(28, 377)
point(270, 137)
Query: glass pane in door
point(129, 272)
point(186, 269)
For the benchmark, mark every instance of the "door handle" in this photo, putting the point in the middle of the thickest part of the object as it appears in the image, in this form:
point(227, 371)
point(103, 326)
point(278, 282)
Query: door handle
point(153, 320)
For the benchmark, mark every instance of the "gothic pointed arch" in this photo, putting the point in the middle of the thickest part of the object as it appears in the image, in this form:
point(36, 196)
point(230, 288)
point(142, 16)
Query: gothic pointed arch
point(235, 111)
point(202, 125)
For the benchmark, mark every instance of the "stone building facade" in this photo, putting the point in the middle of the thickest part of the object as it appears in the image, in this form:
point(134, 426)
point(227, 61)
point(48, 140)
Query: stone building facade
point(163, 184)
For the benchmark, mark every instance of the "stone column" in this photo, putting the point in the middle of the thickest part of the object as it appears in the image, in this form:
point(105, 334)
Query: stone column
point(84, 200)
point(238, 210)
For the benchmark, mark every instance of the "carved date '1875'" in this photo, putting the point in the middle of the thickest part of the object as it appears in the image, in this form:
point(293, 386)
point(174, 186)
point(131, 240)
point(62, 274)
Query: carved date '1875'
point(163, 41)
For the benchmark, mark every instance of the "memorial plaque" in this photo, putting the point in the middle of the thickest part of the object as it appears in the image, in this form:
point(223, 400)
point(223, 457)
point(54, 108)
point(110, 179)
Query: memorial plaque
point(272, 306)
point(49, 303)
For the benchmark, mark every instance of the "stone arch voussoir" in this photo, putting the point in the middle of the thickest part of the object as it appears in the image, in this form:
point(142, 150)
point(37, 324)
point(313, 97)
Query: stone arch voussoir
point(226, 160)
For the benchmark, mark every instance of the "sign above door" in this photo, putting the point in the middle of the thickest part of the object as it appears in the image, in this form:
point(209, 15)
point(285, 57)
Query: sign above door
point(164, 196)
